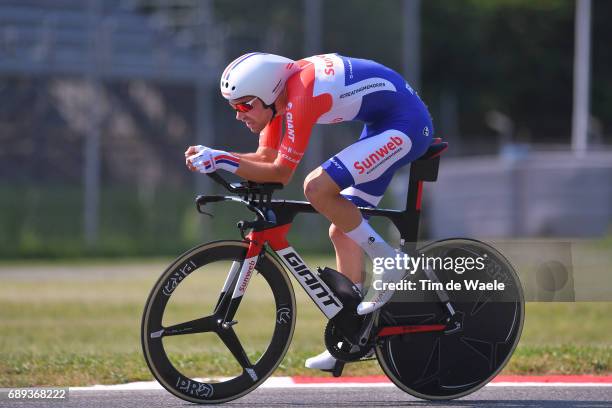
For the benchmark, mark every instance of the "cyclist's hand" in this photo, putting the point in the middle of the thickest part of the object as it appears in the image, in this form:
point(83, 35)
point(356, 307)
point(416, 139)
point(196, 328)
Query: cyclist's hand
point(208, 160)
point(191, 150)
point(201, 160)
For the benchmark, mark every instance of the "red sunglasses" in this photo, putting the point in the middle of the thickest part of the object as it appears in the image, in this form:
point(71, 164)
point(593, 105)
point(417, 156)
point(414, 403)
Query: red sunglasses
point(244, 106)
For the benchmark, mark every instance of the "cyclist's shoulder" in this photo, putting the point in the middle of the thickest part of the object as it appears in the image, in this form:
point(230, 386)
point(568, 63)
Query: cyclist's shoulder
point(304, 76)
point(301, 83)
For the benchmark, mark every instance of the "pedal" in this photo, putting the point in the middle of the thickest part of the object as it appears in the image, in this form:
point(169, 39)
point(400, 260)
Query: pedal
point(338, 367)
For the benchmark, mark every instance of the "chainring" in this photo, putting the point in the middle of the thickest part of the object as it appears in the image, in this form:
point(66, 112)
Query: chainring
point(342, 349)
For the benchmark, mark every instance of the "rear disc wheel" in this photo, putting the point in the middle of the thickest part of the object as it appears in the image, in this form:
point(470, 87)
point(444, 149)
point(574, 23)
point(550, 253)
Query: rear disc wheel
point(443, 366)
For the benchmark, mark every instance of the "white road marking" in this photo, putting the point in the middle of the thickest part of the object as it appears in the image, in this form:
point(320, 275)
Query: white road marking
point(288, 382)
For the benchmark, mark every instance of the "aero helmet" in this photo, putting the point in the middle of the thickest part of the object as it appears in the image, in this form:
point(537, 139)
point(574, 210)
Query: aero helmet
point(258, 74)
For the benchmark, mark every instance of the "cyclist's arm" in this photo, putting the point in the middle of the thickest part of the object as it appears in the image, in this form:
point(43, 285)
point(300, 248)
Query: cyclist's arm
point(262, 172)
point(263, 154)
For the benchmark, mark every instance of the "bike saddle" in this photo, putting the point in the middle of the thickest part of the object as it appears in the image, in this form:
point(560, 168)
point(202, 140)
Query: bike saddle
point(436, 148)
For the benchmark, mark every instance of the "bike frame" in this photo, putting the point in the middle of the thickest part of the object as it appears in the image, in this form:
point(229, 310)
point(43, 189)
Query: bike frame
point(274, 220)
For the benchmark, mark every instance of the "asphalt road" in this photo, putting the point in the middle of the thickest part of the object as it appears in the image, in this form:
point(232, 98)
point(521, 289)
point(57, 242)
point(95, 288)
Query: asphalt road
point(499, 397)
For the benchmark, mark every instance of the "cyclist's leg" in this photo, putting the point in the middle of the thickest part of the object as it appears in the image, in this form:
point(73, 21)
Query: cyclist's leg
point(350, 262)
point(349, 256)
point(362, 192)
point(373, 165)
point(324, 191)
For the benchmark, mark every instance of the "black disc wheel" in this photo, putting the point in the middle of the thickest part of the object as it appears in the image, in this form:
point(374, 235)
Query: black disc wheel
point(186, 345)
point(447, 364)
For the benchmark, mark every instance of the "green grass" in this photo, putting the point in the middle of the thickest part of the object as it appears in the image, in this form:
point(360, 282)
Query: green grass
point(79, 324)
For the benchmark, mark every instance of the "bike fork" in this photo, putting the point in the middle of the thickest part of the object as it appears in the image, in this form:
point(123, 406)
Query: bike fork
point(235, 285)
point(228, 286)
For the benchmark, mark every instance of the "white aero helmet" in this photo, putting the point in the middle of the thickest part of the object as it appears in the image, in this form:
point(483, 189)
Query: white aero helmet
point(257, 74)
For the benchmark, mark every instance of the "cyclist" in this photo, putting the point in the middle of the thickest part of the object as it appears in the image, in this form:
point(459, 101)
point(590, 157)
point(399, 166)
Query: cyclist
point(266, 90)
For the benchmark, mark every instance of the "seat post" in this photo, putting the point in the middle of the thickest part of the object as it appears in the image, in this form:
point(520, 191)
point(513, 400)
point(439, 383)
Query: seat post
point(421, 170)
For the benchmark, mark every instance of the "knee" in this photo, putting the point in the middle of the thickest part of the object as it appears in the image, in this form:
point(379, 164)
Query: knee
point(313, 187)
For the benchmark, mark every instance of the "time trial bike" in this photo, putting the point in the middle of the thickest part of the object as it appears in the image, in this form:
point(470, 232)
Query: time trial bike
point(238, 308)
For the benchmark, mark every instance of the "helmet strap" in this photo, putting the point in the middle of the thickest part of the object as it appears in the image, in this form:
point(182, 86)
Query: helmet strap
point(273, 110)
point(271, 106)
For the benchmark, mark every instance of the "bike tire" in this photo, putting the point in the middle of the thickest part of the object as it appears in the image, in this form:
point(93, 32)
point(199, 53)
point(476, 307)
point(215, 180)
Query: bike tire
point(440, 366)
point(225, 389)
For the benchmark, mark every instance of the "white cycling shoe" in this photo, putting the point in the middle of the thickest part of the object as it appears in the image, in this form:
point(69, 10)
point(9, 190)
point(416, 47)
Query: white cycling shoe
point(375, 299)
point(324, 361)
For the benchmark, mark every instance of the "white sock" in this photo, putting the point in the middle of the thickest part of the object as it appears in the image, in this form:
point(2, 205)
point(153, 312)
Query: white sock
point(369, 240)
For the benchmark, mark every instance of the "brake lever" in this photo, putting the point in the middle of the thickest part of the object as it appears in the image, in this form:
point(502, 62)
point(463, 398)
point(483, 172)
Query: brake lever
point(201, 201)
point(205, 213)
point(199, 207)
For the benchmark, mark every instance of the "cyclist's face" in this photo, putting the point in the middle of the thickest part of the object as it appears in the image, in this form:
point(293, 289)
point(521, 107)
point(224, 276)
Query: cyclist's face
point(256, 118)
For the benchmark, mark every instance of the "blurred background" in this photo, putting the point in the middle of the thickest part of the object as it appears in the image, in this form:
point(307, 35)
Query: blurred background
point(99, 99)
